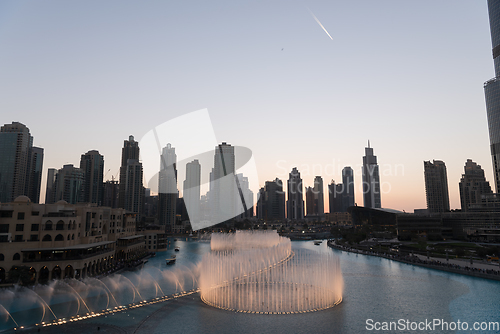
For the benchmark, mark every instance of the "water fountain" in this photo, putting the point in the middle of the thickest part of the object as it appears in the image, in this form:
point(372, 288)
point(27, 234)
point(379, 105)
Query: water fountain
point(71, 300)
point(257, 272)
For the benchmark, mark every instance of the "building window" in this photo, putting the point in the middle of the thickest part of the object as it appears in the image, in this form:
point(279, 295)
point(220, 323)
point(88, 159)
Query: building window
point(47, 237)
point(16, 257)
point(20, 216)
point(59, 237)
point(34, 237)
point(18, 238)
point(4, 228)
point(60, 225)
point(35, 213)
point(19, 227)
point(2, 257)
point(35, 227)
point(48, 226)
point(5, 214)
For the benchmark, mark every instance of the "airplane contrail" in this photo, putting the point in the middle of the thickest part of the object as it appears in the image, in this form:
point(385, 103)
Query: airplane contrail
point(315, 18)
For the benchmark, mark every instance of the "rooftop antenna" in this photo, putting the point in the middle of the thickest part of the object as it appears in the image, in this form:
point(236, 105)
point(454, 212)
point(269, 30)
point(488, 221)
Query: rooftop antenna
point(368, 143)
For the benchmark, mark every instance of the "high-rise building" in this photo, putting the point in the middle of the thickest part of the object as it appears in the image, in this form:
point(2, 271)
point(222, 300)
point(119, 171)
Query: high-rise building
point(271, 204)
point(130, 150)
point(436, 186)
point(35, 174)
point(18, 174)
point(69, 184)
point(110, 194)
point(191, 190)
point(245, 196)
point(319, 198)
point(295, 201)
point(335, 197)
point(371, 180)
point(50, 190)
point(492, 91)
point(473, 185)
point(133, 188)
point(223, 191)
point(310, 202)
point(315, 204)
point(167, 185)
point(92, 164)
point(348, 188)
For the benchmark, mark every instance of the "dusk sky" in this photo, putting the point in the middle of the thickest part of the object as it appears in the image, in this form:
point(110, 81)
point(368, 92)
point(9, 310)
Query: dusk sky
point(406, 75)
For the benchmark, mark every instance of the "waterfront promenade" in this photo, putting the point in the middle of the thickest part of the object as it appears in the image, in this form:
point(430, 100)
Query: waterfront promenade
point(457, 266)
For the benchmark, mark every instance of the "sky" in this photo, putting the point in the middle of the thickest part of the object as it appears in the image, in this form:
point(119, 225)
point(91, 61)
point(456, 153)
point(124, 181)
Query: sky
point(406, 75)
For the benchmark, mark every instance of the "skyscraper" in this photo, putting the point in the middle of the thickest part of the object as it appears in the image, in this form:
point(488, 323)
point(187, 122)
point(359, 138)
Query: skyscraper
point(371, 180)
point(223, 190)
point(335, 197)
point(319, 198)
point(271, 205)
point(472, 185)
point(348, 188)
point(492, 91)
point(295, 201)
point(133, 187)
point(18, 176)
point(69, 184)
point(167, 185)
point(436, 186)
point(110, 194)
point(92, 164)
point(35, 174)
point(310, 202)
point(130, 150)
point(50, 190)
point(245, 196)
point(191, 190)
point(315, 204)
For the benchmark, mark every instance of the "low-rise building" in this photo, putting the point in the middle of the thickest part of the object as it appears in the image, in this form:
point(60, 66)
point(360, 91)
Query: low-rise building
point(64, 240)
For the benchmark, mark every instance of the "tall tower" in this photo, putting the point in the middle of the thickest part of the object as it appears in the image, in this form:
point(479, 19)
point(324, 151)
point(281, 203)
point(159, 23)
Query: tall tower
point(492, 91)
point(130, 150)
point(191, 190)
point(50, 190)
point(35, 174)
point(295, 202)
point(311, 209)
point(223, 190)
point(272, 199)
point(472, 185)
point(335, 197)
point(436, 186)
point(371, 180)
point(167, 185)
point(348, 185)
point(69, 184)
point(92, 164)
point(245, 195)
point(319, 198)
point(133, 194)
point(15, 153)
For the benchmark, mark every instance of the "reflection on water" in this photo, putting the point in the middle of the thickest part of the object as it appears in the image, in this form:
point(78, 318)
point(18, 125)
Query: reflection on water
point(375, 288)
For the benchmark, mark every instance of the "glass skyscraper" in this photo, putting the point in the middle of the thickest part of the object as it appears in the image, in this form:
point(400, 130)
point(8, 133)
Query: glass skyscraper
point(20, 163)
point(492, 91)
point(371, 180)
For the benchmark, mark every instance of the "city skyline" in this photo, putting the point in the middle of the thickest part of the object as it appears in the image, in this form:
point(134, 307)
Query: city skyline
point(283, 74)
